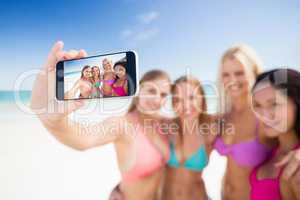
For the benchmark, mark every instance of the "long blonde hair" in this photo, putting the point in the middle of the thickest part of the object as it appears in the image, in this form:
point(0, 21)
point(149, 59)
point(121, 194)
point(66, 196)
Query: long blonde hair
point(252, 66)
point(151, 75)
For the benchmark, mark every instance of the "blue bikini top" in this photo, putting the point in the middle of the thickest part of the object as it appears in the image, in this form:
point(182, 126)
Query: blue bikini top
point(196, 162)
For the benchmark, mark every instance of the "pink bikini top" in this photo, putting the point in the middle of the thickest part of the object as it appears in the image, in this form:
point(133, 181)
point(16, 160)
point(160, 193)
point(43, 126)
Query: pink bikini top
point(268, 188)
point(247, 154)
point(148, 158)
point(119, 90)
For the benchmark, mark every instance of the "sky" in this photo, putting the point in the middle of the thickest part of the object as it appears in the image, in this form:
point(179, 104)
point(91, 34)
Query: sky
point(167, 34)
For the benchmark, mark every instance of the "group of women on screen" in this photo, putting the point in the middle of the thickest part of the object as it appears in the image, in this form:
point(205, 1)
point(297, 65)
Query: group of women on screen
point(257, 128)
point(93, 84)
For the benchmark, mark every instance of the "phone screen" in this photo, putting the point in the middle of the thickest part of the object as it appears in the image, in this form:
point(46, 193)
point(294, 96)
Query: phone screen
point(102, 76)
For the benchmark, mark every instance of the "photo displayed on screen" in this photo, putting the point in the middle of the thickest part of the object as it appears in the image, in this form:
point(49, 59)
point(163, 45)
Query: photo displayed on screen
point(96, 77)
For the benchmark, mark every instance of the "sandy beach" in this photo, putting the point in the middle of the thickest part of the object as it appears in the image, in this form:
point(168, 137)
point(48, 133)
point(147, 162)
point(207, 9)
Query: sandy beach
point(35, 166)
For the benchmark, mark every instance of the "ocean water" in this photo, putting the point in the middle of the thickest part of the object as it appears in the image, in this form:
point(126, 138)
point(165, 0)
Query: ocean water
point(9, 96)
point(16, 104)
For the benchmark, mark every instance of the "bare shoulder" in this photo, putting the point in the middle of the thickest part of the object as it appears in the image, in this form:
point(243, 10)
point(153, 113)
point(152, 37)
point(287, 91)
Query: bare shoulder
point(210, 128)
point(212, 121)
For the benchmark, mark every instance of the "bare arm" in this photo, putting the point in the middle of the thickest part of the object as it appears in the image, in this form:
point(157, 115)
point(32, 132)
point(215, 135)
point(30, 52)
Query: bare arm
point(126, 87)
point(81, 137)
point(214, 129)
point(54, 114)
point(296, 190)
point(291, 172)
point(71, 93)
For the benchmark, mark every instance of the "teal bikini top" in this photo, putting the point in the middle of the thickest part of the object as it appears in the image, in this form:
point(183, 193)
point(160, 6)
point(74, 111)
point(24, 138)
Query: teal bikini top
point(97, 84)
point(196, 162)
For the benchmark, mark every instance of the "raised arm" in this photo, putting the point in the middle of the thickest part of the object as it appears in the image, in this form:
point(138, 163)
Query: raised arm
point(54, 114)
point(71, 93)
point(296, 189)
point(126, 87)
point(291, 172)
point(84, 136)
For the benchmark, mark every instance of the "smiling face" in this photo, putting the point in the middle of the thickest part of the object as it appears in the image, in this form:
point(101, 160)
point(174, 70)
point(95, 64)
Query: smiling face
point(274, 109)
point(187, 100)
point(234, 78)
point(87, 73)
point(107, 65)
point(120, 71)
point(96, 71)
point(152, 95)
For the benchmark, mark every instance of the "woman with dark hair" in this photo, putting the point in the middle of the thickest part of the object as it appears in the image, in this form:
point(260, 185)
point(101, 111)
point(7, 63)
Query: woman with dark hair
point(276, 102)
point(96, 92)
point(84, 84)
point(120, 87)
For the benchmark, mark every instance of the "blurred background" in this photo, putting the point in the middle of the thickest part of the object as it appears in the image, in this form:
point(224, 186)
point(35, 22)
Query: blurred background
point(177, 36)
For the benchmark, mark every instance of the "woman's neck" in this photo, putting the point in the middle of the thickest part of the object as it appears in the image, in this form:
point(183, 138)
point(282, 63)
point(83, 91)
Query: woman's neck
point(189, 124)
point(122, 78)
point(287, 141)
point(240, 104)
point(188, 120)
point(108, 71)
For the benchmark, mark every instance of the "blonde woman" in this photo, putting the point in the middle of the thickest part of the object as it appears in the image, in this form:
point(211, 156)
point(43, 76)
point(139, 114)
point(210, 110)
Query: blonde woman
point(108, 77)
point(141, 151)
point(245, 146)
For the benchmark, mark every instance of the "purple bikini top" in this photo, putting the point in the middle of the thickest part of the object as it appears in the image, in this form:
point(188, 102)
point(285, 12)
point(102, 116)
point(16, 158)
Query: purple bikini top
point(109, 82)
point(249, 153)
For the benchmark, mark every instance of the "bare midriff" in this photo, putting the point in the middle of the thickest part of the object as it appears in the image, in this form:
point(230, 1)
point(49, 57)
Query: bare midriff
point(236, 182)
point(182, 184)
point(144, 189)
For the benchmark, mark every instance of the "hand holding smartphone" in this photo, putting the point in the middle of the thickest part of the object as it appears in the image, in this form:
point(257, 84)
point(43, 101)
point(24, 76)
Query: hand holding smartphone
point(101, 76)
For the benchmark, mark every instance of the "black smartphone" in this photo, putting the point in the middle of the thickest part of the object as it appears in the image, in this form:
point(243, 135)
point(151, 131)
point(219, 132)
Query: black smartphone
point(102, 76)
